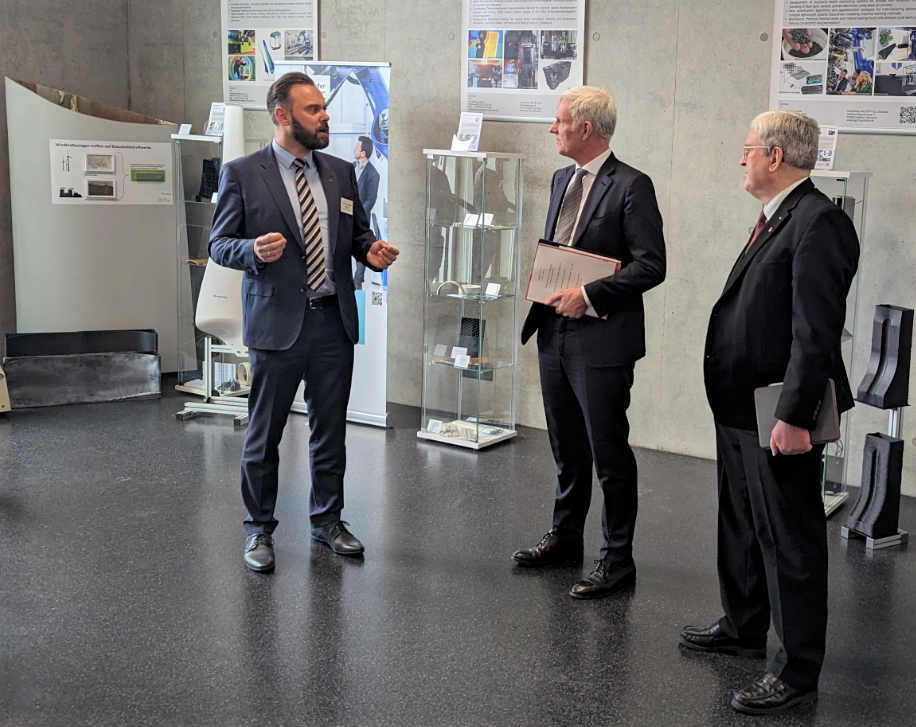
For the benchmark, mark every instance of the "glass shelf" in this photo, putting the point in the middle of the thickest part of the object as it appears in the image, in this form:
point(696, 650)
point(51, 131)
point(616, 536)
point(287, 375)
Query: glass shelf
point(476, 407)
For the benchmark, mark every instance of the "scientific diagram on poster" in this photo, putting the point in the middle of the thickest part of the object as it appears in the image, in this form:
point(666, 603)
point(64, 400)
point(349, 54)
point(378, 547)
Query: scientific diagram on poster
point(256, 35)
point(110, 172)
point(851, 65)
point(520, 56)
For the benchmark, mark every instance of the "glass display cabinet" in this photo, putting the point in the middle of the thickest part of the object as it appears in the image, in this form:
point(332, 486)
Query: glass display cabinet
point(848, 190)
point(470, 306)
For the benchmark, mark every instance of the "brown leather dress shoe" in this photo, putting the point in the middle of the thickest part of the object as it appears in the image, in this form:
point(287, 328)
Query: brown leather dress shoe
point(713, 639)
point(340, 540)
point(769, 695)
point(607, 578)
point(552, 550)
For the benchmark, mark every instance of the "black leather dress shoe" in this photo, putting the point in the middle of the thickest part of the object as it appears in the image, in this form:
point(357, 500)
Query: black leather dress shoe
point(550, 551)
point(769, 695)
point(607, 578)
point(714, 640)
point(259, 552)
point(341, 540)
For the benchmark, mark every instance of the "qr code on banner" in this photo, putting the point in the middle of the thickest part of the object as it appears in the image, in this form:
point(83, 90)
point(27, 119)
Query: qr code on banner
point(376, 297)
point(908, 114)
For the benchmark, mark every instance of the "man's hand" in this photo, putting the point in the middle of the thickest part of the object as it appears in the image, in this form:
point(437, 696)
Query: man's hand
point(803, 47)
point(569, 302)
point(787, 439)
point(268, 248)
point(381, 255)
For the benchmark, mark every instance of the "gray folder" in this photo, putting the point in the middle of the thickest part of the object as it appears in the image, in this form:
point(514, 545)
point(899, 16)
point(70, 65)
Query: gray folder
point(827, 428)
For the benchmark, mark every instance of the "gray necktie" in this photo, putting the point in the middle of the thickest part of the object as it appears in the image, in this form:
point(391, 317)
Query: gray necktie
point(311, 230)
point(570, 210)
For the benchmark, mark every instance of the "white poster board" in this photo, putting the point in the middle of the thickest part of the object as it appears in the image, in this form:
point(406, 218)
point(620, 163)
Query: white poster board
point(256, 34)
point(111, 172)
point(846, 64)
point(358, 101)
point(519, 56)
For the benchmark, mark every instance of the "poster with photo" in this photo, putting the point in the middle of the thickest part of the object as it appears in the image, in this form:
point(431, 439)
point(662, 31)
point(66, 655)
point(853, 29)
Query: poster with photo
point(357, 96)
point(849, 65)
point(112, 173)
point(521, 55)
point(256, 34)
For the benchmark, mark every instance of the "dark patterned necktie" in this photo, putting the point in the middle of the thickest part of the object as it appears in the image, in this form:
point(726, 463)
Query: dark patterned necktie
point(758, 228)
point(316, 272)
point(569, 211)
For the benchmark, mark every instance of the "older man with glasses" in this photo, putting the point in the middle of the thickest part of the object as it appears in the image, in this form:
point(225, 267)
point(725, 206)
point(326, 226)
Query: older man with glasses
point(778, 319)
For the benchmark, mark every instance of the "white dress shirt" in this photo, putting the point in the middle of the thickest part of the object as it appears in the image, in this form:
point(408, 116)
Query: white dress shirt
point(769, 209)
point(592, 168)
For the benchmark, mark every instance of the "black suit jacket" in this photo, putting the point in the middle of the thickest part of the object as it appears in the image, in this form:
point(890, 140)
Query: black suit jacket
point(368, 188)
point(780, 317)
point(621, 220)
point(253, 201)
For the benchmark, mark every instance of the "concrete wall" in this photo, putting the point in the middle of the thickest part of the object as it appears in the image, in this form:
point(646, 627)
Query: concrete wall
point(686, 84)
point(77, 47)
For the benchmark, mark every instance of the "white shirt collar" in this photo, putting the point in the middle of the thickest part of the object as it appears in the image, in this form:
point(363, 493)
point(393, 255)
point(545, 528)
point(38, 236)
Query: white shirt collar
point(594, 166)
point(769, 209)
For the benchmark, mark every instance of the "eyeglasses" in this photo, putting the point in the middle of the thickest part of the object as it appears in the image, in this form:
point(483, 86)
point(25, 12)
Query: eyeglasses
point(748, 149)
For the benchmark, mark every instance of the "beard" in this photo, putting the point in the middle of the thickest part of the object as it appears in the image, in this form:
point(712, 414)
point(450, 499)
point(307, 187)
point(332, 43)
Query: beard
point(306, 138)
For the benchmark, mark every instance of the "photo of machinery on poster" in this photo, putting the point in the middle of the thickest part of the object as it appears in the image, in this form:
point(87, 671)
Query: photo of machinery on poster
point(519, 56)
point(256, 35)
point(851, 65)
point(357, 98)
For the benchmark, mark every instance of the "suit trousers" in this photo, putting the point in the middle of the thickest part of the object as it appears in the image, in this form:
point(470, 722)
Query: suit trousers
point(322, 357)
point(586, 408)
point(772, 552)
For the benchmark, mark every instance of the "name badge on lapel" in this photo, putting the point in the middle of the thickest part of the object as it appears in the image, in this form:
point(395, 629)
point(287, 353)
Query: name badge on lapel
point(346, 206)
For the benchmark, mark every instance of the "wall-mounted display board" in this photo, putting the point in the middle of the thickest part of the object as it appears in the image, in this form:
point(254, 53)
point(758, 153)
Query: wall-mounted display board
point(255, 35)
point(519, 56)
point(132, 172)
point(846, 64)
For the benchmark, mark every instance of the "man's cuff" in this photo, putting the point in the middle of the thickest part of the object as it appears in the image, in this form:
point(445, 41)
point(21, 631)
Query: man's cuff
point(585, 295)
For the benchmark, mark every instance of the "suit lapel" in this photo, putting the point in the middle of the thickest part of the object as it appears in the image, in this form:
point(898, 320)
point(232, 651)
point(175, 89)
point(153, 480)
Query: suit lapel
point(556, 200)
point(774, 224)
point(271, 174)
point(599, 188)
point(332, 195)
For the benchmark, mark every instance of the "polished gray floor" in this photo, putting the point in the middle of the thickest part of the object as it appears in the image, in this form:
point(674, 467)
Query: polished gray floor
point(124, 600)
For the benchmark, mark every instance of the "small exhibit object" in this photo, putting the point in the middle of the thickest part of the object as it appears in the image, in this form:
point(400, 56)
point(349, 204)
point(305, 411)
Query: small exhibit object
point(827, 428)
point(557, 267)
point(877, 510)
point(886, 384)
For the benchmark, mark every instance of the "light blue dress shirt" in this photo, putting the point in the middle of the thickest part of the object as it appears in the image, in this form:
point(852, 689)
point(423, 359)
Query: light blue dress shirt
point(288, 175)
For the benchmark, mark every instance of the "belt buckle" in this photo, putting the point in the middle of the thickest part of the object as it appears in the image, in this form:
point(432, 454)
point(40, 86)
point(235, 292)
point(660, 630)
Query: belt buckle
point(312, 305)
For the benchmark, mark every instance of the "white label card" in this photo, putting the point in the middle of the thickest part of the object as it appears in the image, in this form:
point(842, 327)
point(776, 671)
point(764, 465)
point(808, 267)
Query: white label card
point(462, 362)
point(458, 351)
point(492, 290)
point(346, 206)
point(439, 350)
point(434, 426)
point(184, 129)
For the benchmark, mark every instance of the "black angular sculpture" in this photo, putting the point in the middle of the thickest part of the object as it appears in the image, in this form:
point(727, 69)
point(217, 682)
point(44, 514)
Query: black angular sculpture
point(877, 511)
point(887, 380)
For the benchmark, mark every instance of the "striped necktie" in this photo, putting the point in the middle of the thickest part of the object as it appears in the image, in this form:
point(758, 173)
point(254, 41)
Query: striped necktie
point(311, 230)
point(570, 210)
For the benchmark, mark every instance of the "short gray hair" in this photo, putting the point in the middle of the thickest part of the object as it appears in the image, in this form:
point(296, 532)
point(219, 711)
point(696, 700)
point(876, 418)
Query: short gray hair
point(590, 103)
point(793, 132)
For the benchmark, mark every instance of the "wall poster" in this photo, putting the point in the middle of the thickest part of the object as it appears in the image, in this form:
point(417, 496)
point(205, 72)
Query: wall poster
point(847, 64)
point(255, 35)
point(112, 172)
point(519, 56)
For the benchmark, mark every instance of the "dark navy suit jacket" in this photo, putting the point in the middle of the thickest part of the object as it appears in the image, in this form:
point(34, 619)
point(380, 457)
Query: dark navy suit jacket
point(253, 201)
point(368, 188)
point(621, 220)
point(780, 317)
